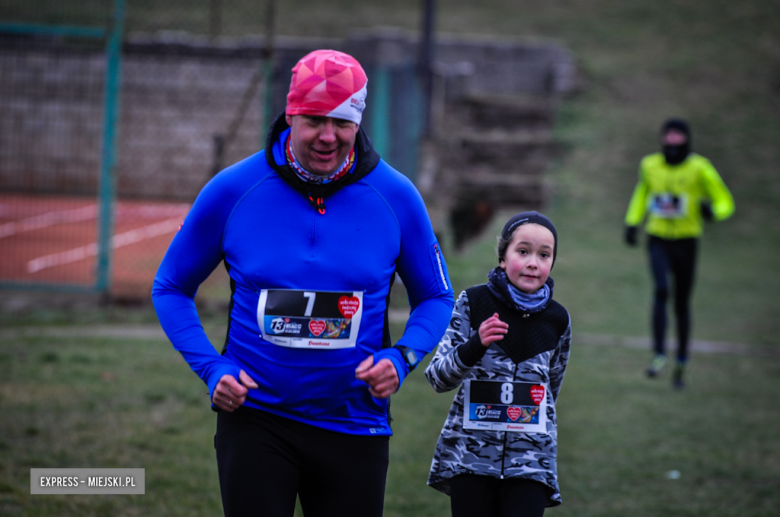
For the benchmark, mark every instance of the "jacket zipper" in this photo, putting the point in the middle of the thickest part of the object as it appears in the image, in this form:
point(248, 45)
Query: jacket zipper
point(503, 449)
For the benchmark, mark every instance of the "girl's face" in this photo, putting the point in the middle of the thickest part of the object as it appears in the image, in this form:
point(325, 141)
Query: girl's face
point(529, 257)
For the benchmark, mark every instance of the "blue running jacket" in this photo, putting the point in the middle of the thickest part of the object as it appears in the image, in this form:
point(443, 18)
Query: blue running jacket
point(309, 289)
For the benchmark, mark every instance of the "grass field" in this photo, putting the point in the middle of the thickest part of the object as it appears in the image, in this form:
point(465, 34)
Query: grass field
point(69, 400)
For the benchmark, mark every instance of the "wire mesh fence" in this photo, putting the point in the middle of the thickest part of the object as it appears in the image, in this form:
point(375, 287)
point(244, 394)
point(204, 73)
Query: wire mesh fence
point(211, 18)
point(175, 101)
point(56, 13)
point(55, 81)
point(197, 92)
point(51, 100)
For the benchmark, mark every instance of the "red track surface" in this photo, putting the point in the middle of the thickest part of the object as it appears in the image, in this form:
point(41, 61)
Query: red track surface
point(51, 240)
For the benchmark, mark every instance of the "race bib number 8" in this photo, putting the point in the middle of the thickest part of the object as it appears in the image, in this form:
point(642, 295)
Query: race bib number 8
point(506, 406)
point(310, 319)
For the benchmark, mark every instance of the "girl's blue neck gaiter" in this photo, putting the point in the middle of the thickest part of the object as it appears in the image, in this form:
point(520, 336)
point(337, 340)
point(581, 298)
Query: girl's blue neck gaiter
point(500, 285)
point(530, 302)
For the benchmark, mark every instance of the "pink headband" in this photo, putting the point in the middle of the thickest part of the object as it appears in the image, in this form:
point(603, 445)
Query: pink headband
point(328, 83)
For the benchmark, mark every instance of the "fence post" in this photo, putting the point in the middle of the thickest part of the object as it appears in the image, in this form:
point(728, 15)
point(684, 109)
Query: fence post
point(106, 188)
point(269, 78)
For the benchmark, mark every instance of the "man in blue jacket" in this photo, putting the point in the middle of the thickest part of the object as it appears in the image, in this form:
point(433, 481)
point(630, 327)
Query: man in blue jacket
point(312, 231)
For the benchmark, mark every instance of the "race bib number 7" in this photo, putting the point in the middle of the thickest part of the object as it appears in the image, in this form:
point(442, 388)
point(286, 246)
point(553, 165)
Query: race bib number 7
point(310, 319)
point(506, 406)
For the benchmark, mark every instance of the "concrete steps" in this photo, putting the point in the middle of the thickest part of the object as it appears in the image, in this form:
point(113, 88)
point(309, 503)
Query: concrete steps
point(491, 153)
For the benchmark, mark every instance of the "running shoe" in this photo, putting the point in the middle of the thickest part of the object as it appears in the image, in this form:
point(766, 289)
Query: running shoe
point(677, 376)
point(656, 366)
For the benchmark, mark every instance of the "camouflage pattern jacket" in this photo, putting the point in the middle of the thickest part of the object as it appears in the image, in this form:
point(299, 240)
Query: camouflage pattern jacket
point(500, 454)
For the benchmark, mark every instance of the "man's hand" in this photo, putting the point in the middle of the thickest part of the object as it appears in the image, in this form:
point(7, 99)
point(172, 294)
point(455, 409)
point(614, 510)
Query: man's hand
point(382, 378)
point(229, 393)
point(492, 330)
point(631, 235)
point(706, 211)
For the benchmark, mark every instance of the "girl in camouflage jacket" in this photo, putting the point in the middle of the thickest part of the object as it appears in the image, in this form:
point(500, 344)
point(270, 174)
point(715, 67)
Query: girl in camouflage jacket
point(507, 347)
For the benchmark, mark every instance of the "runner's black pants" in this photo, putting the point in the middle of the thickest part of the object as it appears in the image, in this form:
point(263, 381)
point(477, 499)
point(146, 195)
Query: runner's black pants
point(485, 496)
point(265, 460)
point(675, 258)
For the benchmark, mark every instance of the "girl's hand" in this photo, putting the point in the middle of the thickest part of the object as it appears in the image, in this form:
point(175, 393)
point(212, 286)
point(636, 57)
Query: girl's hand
point(492, 330)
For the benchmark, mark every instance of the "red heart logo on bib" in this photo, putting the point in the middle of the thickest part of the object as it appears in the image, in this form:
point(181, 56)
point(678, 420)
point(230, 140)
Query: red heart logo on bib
point(537, 393)
point(317, 327)
point(349, 305)
point(513, 412)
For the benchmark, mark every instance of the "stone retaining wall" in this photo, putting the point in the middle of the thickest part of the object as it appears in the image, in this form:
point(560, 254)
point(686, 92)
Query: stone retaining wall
point(176, 95)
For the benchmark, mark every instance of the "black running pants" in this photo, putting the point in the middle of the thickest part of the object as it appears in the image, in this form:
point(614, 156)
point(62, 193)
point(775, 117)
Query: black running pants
point(265, 461)
point(675, 258)
point(485, 496)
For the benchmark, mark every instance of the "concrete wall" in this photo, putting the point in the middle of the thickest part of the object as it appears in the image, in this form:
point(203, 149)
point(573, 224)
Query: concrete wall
point(176, 95)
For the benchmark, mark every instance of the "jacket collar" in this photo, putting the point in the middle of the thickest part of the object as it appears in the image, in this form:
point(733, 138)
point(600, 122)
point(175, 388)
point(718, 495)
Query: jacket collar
point(367, 160)
point(498, 284)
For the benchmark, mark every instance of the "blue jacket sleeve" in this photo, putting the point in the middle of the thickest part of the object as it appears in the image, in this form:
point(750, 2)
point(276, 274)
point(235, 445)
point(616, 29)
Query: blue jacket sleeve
point(423, 271)
point(193, 254)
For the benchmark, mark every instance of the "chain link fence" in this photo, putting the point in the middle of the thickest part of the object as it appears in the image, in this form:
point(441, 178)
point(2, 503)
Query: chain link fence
point(115, 113)
point(90, 201)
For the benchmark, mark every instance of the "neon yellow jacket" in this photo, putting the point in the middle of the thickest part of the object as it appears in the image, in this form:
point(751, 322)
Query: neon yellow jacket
point(671, 195)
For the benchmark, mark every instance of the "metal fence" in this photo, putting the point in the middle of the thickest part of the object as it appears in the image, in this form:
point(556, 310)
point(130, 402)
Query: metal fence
point(93, 189)
point(54, 128)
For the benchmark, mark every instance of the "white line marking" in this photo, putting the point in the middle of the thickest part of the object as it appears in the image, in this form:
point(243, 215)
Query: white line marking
point(77, 215)
point(37, 222)
point(90, 250)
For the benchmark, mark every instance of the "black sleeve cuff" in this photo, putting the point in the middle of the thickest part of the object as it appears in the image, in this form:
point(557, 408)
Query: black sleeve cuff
point(472, 351)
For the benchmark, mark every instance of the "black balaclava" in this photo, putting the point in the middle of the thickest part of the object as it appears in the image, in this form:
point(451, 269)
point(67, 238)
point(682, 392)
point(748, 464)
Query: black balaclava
point(676, 154)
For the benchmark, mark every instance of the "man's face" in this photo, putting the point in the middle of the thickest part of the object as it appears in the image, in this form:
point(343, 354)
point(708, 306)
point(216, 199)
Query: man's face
point(321, 144)
point(675, 137)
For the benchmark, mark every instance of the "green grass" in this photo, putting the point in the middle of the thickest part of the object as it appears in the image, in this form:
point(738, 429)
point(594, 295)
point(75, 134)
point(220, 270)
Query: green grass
point(125, 403)
point(621, 434)
point(104, 404)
